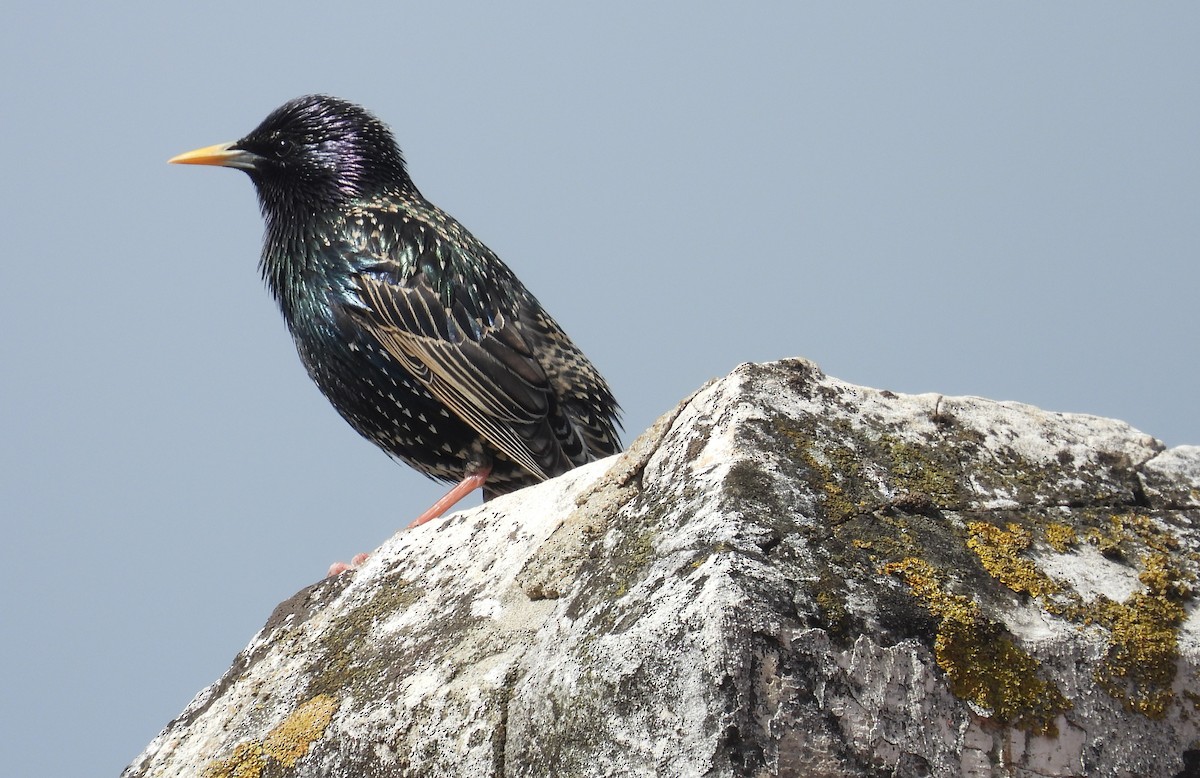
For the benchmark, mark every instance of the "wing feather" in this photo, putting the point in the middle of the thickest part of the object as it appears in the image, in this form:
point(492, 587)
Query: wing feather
point(452, 314)
point(494, 384)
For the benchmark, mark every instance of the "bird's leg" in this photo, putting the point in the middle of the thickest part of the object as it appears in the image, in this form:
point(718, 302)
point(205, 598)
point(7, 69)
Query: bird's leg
point(474, 479)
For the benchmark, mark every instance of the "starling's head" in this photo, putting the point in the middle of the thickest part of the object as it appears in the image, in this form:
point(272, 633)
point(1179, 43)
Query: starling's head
point(310, 154)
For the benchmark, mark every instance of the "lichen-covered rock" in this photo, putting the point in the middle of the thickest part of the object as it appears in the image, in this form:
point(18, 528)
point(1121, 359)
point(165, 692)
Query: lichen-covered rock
point(787, 575)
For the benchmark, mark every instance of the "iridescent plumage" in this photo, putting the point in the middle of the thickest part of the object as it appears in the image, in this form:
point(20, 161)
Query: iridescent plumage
point(421, 338)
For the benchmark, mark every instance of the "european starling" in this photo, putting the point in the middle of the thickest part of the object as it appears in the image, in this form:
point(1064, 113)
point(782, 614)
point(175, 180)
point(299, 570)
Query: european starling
point(423, 340)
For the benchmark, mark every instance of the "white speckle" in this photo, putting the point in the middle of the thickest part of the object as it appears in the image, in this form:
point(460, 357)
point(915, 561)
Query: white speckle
point(488, 607)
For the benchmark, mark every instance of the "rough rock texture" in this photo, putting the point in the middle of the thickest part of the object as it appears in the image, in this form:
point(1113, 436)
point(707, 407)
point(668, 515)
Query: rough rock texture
point(787, 575)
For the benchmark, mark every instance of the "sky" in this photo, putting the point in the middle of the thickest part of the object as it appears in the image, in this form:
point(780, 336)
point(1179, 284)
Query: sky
point(988, 199)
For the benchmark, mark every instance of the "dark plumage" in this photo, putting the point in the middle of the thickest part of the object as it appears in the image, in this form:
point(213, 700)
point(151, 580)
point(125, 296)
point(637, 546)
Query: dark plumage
point(416, 332)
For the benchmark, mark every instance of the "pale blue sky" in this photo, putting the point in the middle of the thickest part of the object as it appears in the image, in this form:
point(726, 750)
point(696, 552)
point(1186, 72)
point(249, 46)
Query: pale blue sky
point(998, 200)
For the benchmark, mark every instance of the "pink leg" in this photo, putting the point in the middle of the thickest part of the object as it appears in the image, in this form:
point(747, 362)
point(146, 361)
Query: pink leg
point(468, 484)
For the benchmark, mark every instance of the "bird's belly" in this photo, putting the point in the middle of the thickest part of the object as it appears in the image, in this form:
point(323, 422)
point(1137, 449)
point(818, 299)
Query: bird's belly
point(387, 406)
point(380, 399)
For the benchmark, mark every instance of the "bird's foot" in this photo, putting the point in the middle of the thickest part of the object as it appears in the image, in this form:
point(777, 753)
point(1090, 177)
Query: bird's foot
point(337, 568)
point(472, 481)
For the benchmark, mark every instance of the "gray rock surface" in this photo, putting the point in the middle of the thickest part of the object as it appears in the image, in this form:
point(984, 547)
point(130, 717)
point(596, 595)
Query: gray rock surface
point(787, 575)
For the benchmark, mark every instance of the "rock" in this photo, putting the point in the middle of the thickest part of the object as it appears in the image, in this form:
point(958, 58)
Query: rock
point(786, 575)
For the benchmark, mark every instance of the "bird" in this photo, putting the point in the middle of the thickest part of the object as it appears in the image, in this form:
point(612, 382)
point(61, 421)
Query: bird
point(421, 338)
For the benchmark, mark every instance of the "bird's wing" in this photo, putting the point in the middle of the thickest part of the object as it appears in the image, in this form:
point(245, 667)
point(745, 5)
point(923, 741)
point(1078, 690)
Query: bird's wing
point(581, 390)
point(471, 355)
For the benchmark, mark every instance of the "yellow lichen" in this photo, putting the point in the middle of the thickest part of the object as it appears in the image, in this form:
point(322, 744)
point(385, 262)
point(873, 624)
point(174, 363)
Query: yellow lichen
point(247, 761)
point(1126, 530)
point(1138, 667)
point(1000, 553)
point(1061, 537)
point(1146, 530)
point(291, 738)
point(1107, 543)
point(981, 662)
point(1163, 578)
point(284, 744)
point(916, 469)
point(1140, 664)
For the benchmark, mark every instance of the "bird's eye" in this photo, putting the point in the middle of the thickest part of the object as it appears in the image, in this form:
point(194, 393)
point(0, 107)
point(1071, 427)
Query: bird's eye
point(283, 147)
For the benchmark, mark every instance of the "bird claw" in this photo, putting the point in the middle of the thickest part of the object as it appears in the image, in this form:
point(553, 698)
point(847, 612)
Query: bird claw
point(337, 568)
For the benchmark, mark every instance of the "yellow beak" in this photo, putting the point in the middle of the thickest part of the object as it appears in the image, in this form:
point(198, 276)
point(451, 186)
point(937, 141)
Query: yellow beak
point(221, 154)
